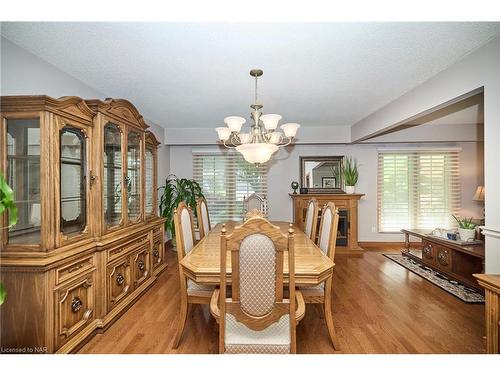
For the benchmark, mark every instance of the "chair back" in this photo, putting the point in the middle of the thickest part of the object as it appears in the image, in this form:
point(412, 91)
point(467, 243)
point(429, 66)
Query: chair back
point(256, 250)
point(328, 230)
point(184, 229)
point(311, 221)
point(255, 202)
point(203, 217)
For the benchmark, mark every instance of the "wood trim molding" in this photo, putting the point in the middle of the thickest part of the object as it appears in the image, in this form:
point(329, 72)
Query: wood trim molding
point(70, 105)
point(118, 107)
point(490, 232)
point(376, 245)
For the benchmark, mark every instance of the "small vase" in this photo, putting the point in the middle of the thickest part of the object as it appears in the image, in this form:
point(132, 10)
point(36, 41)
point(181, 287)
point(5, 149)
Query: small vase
point(349, 189)
point(467, 234)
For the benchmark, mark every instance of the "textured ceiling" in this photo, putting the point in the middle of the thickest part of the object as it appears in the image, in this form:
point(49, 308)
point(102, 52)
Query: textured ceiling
point(194, 75)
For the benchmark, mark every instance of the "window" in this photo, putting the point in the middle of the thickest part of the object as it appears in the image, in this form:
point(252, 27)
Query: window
point(418, 189)
point(226, 178)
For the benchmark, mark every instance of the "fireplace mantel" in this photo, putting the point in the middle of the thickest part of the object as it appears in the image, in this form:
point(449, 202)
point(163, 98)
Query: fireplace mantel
point(348, 207)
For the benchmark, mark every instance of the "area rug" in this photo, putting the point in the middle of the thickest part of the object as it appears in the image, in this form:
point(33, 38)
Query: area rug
point(456, 288)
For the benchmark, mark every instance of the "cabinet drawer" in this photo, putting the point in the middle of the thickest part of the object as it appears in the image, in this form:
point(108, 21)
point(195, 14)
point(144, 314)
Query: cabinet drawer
point(157, 232)
point(158, 253)
point(118, 282)
point(443, 258)
point(74, 308)
point(141, 266)
point(74, 268)
point(117, 251)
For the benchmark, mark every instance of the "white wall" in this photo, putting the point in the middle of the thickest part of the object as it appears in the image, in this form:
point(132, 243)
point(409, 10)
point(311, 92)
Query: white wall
point(479, 69)
point(285, 168)
point(307, 135)
point(23, 73)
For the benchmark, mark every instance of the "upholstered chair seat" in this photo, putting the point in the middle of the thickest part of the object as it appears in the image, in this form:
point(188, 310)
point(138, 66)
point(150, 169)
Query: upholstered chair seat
point(194, 287)
point(274, 339)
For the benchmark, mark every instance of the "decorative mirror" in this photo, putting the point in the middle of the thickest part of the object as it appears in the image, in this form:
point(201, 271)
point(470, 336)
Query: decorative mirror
point(321, 174)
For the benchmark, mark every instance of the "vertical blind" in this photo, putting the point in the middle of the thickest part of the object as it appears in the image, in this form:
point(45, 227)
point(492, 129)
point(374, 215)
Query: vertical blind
point(418, 189)
point(226, 178)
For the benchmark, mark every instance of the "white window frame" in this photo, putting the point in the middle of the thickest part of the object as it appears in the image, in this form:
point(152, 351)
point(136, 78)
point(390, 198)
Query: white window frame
point(417, 187)
point(232, 207)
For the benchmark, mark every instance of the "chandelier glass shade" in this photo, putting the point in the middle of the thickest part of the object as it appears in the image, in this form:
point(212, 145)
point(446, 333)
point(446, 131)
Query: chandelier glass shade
point(263, 139)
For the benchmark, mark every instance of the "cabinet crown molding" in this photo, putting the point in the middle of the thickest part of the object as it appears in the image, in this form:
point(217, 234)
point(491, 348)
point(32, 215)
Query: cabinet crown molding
point(69, 105)
point(120, 108)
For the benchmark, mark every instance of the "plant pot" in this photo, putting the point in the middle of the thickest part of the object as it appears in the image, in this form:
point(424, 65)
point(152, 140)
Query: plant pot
point(349, 189)
point(467, 234)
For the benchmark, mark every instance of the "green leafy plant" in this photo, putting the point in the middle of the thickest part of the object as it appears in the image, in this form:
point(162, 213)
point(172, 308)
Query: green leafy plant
point(350, 171)
point(6, 203)
point(465, 223)
point(3, 293)
point(178, 190)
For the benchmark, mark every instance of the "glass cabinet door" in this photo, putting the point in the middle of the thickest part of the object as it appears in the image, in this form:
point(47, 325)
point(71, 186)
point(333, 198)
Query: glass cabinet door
point(113, 175)
point(133, 178)
point(73, 198)
point(23, 176)
point(149, 183)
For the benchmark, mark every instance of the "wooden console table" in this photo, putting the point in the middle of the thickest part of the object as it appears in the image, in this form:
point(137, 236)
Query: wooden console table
point(491, 285)
point(457, 261)
point(347, 204)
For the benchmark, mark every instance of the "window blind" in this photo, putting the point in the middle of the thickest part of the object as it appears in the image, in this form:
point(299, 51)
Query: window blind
point(226, 178)
point(418, 189)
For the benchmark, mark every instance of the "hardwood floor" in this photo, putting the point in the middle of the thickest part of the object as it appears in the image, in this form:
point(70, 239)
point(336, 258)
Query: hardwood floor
point(379, 307)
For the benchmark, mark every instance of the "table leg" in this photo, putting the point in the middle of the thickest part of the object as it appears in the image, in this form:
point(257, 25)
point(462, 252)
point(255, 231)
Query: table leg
point(407, 242)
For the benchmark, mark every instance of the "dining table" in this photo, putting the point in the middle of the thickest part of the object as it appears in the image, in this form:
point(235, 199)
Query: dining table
point(202, 263)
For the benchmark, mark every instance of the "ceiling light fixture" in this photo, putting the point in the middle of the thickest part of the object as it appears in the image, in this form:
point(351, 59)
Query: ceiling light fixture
point(263, 140)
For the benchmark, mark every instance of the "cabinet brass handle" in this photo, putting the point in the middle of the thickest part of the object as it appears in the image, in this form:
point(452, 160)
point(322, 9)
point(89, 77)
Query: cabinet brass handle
point(427, 250)
point(76, 304)
point(120, 279)
point(443, 257)
point(156, 253)
point(141, 265)
point(93, 178)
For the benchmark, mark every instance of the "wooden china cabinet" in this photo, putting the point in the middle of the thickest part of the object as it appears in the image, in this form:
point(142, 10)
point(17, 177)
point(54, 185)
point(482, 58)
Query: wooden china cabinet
point(88, 240)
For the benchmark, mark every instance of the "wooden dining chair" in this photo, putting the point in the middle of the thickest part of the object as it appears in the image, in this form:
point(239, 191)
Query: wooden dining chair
point(255, 202)
point(322, 293)
point(190, 291)
point(203, 217)
point(311, 221)
point(255, 317)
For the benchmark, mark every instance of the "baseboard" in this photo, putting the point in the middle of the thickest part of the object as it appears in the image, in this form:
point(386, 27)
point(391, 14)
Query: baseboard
point(376, 245)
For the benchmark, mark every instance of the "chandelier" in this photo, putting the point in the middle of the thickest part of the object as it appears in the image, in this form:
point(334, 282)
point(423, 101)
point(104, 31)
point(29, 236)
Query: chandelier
point(263, 140)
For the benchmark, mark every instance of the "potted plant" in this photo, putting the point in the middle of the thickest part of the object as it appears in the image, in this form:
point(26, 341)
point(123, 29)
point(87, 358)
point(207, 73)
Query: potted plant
point(6, 202)
point(350, 174)
point(177, 190)
point(466, 228)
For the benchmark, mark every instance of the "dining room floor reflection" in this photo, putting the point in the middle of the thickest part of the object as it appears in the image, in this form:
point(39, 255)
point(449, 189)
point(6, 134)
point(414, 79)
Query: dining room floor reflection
point(385, 309)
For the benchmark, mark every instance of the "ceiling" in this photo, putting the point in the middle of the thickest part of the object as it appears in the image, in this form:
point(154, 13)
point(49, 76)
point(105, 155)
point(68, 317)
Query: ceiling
point(193, 75)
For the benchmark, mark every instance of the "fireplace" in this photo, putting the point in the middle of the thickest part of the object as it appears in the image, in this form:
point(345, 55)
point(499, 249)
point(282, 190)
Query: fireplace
point(343, 228)
point(347, 204)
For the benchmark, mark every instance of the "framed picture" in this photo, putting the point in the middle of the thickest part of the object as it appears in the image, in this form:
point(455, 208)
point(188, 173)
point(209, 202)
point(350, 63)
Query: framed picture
point(328, 182)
